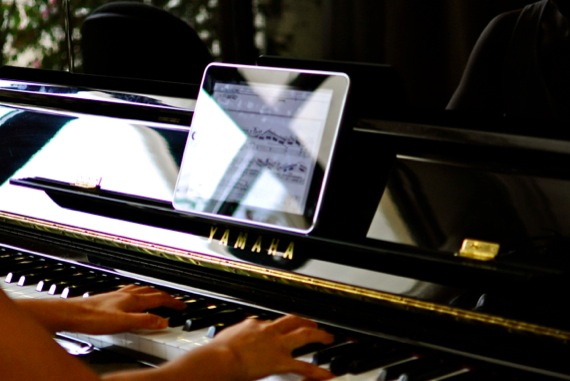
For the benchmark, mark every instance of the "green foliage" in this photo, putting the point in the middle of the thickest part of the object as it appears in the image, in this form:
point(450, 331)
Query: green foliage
point(29, 27)
point(33, 32)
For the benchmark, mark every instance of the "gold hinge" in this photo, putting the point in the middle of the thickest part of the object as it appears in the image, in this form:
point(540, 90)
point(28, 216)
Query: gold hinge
point(480, 250)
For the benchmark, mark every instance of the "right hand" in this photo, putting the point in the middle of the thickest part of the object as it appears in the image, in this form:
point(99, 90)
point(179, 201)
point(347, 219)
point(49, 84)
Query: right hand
point(262, 348)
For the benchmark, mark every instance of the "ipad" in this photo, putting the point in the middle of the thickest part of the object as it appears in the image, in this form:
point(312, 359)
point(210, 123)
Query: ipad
point(371, 84)
point(260, 145)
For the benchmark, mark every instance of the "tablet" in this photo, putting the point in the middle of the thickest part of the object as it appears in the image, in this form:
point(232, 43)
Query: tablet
point(260, 145)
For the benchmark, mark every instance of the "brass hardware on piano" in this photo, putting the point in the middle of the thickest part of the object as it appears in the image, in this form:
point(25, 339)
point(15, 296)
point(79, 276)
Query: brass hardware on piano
point(480, 250)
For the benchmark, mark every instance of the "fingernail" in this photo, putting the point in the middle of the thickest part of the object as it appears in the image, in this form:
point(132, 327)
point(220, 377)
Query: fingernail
point(160, 323)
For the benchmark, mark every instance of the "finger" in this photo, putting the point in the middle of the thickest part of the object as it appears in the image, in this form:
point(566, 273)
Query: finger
point(289, 323)
point(163, 299)
point(137, 290)
point(132, 288)
point(310, 371)
point(303, 336)
point(143, 321)
point(145, 297)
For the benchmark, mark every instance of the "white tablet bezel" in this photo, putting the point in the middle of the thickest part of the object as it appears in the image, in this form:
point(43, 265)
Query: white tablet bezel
point(213, 139)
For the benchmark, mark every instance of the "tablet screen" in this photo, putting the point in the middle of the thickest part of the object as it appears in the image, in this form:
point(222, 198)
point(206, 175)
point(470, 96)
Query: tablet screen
point(260, 145)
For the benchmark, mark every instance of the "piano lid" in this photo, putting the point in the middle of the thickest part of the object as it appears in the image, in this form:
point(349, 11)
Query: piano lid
point(448, 183)
point(392, 236)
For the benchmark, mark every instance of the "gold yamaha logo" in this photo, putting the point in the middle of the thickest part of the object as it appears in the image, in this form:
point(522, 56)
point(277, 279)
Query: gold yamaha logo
point(258, 244)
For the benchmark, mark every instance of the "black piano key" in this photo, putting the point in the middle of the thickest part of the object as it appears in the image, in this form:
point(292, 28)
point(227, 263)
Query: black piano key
point(192, 304)
point(5, 254)
point(214, 329)
point(309, 348)
point(230, 315)
point(360, 362)
point(43, 285)
point(35, 276)
point(439, 371)
point(14, 275)
point(458, 374)
point(85, 290)
point(15, 259)
point(24, 263)
point(391, 372)
point(263, 315)
point(219, 326)
point(326, 355)
point(72, 292)
point(17, 255)
point(177, 318)
point(410, 370)
point(374, 361)
point(468, 374)
point(76, 278)
point(320, 347)
point(97, 285)
point(57, 282)
point(18, 265)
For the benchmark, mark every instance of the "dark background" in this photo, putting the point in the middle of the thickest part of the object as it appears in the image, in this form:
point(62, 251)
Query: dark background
point(427, 41)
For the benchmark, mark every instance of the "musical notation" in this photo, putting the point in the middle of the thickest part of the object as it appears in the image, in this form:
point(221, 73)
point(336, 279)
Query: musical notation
point(290, 172)
point(266, 160)
point(270, 141)
point(272, 168)
point(270, 136)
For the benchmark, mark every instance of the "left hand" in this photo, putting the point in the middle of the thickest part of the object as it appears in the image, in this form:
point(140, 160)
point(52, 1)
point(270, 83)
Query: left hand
point(112, 312)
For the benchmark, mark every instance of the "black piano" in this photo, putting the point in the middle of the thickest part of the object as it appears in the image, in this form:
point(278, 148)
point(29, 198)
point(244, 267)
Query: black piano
point(441, 253)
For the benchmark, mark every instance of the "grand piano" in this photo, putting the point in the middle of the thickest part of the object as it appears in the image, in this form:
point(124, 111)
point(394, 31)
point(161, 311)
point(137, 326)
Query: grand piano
point(440, 253)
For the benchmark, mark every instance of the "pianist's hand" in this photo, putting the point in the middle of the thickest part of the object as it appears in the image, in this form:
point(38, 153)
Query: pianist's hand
point(247, 351)
point(262, 348)
point(111, 312)
point(254, 349)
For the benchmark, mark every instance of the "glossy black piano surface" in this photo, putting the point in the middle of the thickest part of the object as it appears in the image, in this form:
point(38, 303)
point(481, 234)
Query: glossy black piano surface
point(88, 172)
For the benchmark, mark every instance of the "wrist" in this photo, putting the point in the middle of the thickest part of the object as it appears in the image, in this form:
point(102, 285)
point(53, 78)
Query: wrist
point(51, 314)
point(56, 314)
point(209, 362)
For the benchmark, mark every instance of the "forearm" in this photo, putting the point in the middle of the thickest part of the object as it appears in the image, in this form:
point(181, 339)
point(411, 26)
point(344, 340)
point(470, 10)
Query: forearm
point(29, 352)
point(52, 314)
point(206, 363)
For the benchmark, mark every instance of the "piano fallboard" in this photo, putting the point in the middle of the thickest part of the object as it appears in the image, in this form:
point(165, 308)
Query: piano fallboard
point(29, 274)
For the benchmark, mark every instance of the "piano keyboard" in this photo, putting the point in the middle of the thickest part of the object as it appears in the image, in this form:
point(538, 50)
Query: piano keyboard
point(31, 275)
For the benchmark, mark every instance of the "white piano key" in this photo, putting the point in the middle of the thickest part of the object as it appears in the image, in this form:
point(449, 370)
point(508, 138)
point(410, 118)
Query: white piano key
point(283, 377)
point(289, 376)
point(165, 344)
point(371, 375)
point(15, 291)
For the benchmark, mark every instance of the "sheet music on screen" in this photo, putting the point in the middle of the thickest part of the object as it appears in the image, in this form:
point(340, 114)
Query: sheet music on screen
point(257, 148)
point(283, 129)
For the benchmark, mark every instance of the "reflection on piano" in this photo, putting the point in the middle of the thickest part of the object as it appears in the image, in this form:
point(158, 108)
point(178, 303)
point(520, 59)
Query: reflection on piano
point(86, 183)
